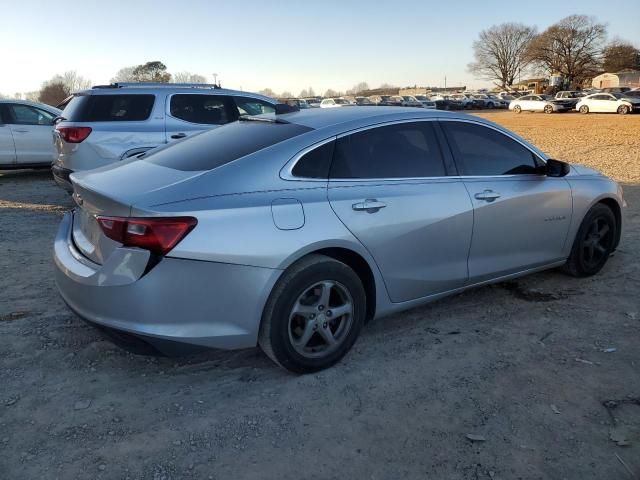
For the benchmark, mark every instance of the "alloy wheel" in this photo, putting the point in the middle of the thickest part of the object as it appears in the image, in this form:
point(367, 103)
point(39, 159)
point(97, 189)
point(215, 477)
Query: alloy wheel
point(321, 319)
point(597, 242)
point(548, 109)
point(623, 109)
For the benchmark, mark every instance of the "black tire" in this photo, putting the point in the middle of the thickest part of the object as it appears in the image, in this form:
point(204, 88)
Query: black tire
point(517, 109)
point(275, 337)
point(584, 109)
point(623, 110)
point(579, 263)
point(548, 109)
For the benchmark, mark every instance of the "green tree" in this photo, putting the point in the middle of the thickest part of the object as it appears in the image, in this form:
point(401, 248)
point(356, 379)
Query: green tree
point(151, 72)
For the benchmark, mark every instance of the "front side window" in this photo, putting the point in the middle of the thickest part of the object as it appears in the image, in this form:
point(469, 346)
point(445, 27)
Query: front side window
point(202, 109)
point(483, 151)
point(27, 115)
point(403, 150)
point(254, 106)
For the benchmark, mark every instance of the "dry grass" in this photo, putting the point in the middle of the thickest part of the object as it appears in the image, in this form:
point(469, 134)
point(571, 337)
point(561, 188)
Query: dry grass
point(609, 143)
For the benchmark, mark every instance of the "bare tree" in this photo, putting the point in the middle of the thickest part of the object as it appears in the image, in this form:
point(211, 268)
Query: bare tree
point(620, 55)
point(268, 92)
point(125, 74)
point(187, 77)
point(286, 94)
point(499, 52)
point(571, 47)
point(303, 93)
point(332, 93)
point(74, 82)
point(53, 93)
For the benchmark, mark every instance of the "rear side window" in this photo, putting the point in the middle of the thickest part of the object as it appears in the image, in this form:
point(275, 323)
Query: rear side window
point(220, 146)
point(109, 108)
point(403, 150)
point(316, 163)
point(483, 151)
point(27, 115)
point(203, 109)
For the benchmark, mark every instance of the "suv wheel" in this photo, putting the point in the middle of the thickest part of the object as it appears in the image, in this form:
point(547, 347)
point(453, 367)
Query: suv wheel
point(314, 315)
point(594, 242)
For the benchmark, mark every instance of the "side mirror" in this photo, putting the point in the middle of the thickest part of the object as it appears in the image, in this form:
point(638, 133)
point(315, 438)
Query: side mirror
point(556, 168)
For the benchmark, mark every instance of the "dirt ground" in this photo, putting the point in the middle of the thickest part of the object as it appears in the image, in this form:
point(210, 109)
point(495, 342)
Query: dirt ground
point(526, 366)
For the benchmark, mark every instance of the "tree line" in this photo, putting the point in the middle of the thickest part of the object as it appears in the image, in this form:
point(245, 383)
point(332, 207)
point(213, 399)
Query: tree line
point(576, 47)
point(60, 86)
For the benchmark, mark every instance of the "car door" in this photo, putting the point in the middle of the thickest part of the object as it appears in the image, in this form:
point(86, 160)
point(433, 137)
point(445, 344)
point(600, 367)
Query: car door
point(31, 128)
point(191, 113)
point(389, 186)
point(521, 217)
point(7, 147)
point(526, 103)
point(611, 103)
point(599, 104)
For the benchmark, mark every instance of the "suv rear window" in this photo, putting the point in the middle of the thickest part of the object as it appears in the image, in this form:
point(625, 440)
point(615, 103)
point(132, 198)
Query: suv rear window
point(109, 108)
point(222, 145)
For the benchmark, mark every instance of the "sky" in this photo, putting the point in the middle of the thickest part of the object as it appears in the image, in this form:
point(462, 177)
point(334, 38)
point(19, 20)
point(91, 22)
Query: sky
point(282, 45)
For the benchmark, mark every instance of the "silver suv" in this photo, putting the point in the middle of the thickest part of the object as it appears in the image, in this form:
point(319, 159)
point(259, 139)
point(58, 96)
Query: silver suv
point(110, 123)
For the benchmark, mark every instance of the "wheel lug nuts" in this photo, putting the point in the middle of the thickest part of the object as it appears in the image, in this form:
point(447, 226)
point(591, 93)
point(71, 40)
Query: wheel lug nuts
point(324, 325)
point(328, 313)
point(312, 316)
point(320, 307)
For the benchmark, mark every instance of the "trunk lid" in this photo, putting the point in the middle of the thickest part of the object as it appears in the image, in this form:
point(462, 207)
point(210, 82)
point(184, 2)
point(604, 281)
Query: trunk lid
point(113, 191)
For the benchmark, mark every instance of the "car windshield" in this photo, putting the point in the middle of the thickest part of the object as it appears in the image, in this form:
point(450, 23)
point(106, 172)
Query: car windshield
point(341, 101)
point(546, 97)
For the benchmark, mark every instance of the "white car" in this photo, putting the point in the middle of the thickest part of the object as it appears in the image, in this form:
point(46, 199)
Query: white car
point(608, 103)
point(334, 102)
point(539, 103)
point(26, 134)
point(465, 99)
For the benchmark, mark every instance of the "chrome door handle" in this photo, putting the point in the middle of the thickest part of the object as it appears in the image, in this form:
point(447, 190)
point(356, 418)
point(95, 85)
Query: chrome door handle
point(178, 135)
point(370, 205)
point(20, 131)
point(487, 195)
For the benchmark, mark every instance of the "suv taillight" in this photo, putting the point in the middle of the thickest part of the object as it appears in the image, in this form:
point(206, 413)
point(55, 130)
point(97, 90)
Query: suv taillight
point(74, 134)
point(158, 235)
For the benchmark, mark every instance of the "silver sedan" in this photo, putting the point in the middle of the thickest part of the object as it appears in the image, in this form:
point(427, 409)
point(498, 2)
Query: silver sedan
point(292, 231)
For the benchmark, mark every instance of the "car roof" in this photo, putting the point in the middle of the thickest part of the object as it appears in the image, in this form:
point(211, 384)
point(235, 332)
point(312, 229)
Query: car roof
point(334, 117)
point(155, 89)
point(44, 106)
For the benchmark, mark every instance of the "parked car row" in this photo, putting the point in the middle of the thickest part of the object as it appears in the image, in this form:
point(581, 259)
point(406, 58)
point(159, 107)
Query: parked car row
point(622, 103)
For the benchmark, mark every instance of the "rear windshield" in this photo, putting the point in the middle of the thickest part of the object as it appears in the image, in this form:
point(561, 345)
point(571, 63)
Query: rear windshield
point(109, 108)
point(224, 144)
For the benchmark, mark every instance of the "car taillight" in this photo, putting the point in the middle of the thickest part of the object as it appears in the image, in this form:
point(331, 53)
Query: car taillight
point(158, 235)
point(74, 134)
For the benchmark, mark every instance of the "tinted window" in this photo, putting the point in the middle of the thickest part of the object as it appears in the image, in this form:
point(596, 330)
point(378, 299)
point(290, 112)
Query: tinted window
point(26, 115)
point(316, 163)
point(484, 151)
point(253, 106)
point(203, 109)
point(219, 146)
point(394, 151)
point(109, 108)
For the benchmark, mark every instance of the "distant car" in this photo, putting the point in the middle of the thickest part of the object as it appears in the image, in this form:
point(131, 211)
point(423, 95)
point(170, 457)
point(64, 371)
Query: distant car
point(334, 102)
point(313, 102)
point(392, 100)
point(539, 103)
point(491, 101)
point(467, 101)
point(571, 96)
point(442, 102)
point(616, 89)
point(295, 102)
point(426, 101)
point(411, 101)
point(364, 102)
point(25, 134)
point(111, 123)
point(608, 103)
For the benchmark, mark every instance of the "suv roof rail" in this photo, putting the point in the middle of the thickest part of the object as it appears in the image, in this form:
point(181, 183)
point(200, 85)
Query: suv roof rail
point(158, 84)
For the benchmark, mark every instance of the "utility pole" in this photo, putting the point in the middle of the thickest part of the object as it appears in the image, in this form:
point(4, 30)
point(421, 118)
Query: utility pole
point(215, 78)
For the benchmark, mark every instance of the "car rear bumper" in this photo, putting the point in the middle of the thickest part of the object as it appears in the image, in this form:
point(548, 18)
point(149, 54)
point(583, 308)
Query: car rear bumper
point(176, 301)
point(61, 176)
